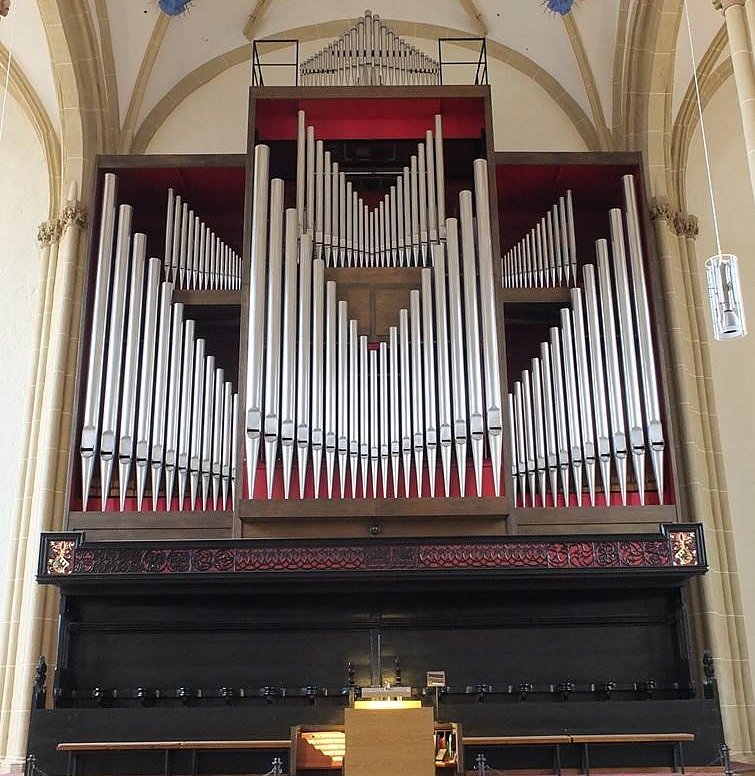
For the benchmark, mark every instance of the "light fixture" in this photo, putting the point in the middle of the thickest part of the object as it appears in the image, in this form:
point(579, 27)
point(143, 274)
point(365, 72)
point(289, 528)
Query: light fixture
point(173, 7)
point(388, 703)
point(559, 6)
point(721, 271)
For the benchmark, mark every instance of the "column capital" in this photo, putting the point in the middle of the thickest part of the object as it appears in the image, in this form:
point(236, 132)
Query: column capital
point(681, 224)
point(73, 213)
point(722, 5)
point(49, 232)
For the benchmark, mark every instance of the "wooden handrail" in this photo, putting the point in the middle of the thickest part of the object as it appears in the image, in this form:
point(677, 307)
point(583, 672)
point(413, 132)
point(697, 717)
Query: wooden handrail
point(115, 746)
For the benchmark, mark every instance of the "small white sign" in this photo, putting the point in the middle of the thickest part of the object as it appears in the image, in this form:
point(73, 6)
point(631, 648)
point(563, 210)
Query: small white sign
point(436, 678)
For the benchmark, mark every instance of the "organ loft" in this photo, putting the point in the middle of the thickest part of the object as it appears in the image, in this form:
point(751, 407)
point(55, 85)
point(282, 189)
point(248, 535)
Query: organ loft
point(373, 414)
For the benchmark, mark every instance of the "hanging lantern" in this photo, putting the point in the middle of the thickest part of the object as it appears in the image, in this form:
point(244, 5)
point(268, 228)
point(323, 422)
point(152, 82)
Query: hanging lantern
point(725, 294)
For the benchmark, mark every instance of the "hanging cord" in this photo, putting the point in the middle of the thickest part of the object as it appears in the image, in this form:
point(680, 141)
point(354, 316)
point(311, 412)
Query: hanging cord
point(702, 130)
point(7, 71)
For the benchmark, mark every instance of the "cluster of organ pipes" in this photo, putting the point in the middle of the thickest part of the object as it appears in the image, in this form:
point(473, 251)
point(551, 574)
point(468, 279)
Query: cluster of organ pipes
point(591, 399)
point(346, 232)
point(195, 257)
point(369, 54)
point(547, 256)
point(155, 399)
point(373, 412)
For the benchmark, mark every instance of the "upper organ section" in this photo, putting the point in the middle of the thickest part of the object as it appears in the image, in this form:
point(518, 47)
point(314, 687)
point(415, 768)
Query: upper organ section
point(370, 323)
point(369, 53)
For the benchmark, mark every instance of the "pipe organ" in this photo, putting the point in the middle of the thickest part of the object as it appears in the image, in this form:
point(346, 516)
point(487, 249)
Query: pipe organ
point(348, 333)
point(156, 401)
point(332, 226)
point(598, 364)
point(369, 53)
point(332, 410)
point(372, 350)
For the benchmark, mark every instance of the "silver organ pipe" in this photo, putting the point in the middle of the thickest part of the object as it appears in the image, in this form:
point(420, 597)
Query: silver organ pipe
point(653, 427)
point(539, 427)
point(271, 421)
point(365, 400)
point(615, 388)
point(549, 417)
point(228, 442)
point(491, 364)
point(445, 424)
point(343, 386)
point(184, 429)
point(331, 385)
point(159, 407)
point(405, 397)
point(255, 346)
point(628, 353)
point(472, 330)
point(216, 455)
point(301, 169)
point(131, 368)
point(197, 407)
point(374, 435)
point(418, 387)
point(580, 406)
point(141, 395)
point(584, 390)
point(384, 418)
point(208, 400)
point(429, 377)
point(354, 404)
point(440, 177)
point(562, 423)
point(375, 410)
point(602, 430)
point(576, 441)
point(331, 366)
point(288, 349)
point(369, 54)
point(112, 387)
point(458, 370)
point(310, 419)
point(546, 256)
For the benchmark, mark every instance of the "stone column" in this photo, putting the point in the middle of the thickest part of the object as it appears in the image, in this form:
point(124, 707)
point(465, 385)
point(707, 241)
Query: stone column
point(750, 14)
point(27, 605)
point(715, 598)
point(740, 44)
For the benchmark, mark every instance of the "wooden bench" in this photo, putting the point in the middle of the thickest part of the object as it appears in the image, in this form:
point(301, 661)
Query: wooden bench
point(556, 742)
point(677, 741)
point(74, 749)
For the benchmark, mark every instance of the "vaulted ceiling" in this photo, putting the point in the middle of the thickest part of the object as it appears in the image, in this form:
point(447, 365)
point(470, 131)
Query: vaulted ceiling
point(150, 53)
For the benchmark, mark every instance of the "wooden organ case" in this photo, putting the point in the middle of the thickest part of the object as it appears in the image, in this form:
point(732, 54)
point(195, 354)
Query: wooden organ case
point(369, 401)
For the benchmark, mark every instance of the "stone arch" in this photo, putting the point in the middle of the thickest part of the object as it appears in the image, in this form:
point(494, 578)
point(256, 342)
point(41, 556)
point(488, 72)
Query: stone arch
point(24, 93)
point(710, 77)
